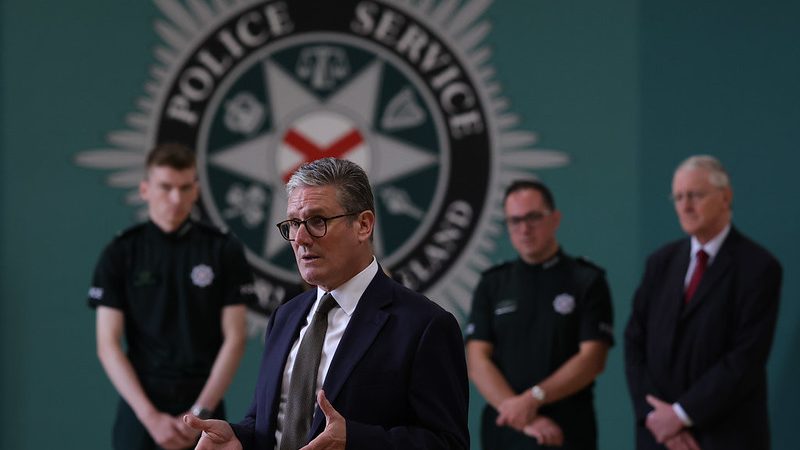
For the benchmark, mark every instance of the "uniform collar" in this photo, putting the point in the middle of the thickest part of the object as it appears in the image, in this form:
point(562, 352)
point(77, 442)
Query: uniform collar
point(179, 232)
point(547, 264)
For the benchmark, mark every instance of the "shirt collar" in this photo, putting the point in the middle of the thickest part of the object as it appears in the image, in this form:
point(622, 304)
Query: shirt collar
point(711, 247)
point(348, 294)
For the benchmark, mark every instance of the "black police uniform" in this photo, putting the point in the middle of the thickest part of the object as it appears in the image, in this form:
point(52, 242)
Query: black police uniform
point(536, 316)
point(172, 288)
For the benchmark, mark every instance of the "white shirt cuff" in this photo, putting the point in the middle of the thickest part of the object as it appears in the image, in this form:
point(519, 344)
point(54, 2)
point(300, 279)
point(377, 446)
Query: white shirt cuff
point(682, 414)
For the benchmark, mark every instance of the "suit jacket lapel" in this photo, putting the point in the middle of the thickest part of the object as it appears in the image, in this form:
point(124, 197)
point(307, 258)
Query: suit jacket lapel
point(674, 292)
point(285, 332)
point(368, 319)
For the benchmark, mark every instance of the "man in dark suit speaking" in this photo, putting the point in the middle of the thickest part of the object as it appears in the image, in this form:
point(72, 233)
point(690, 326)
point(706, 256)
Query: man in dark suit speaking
point(697, 342)
point(360, 362)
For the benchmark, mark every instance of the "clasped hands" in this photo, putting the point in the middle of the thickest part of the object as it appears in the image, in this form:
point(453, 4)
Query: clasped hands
point(667, 428)
point(520, 412)
point(218, 434)
point(168, 431)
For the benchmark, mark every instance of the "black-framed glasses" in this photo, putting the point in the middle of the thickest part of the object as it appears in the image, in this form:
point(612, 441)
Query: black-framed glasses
point(689, 196)
point(531, 219)
point(317, 226)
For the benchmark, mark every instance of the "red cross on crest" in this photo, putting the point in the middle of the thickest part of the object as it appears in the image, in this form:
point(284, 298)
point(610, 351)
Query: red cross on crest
point(296, 140)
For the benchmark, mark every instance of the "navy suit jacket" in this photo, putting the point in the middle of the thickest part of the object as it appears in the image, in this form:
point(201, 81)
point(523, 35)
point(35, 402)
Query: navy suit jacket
point(398, 376)
point(709, 355)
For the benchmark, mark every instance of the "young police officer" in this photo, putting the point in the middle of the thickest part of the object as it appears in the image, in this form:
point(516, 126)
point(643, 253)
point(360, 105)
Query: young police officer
point(539, 334)
point(177, 290)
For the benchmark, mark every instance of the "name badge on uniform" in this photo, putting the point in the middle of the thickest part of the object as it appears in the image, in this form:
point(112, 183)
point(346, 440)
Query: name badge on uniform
point(505, 307)
point(145, 278)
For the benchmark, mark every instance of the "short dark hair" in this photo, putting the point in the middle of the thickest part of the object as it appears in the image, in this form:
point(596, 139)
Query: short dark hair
point(175, 156)
point(352, 185)
point(536, 185)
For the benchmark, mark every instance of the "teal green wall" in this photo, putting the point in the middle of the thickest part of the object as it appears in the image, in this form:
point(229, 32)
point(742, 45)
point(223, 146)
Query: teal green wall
point(627, 88)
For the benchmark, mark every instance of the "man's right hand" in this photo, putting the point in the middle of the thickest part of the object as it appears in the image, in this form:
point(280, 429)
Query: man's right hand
point(217, 434)
point(682, 441)
point(517, 411)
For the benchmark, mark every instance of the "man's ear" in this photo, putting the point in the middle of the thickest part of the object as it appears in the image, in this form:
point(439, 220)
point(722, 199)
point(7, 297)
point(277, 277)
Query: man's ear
point(143, 189)
point(557, 218)
point(366, 224)
point(728, 196)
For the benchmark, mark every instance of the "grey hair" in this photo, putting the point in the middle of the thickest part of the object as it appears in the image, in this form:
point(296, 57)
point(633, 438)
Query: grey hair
point(352, 185)
point(717, 174)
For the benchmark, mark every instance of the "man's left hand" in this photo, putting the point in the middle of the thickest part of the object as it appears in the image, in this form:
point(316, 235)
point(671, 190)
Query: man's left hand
point(334, 436)
point(662, 420)
point(546, 431)
point(517, 411)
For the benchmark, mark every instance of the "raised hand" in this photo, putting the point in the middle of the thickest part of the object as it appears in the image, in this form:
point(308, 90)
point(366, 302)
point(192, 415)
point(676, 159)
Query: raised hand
point(334, 436)
point(216, 434)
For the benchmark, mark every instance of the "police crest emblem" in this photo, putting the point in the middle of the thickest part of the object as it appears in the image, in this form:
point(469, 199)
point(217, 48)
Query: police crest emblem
point(404, 89)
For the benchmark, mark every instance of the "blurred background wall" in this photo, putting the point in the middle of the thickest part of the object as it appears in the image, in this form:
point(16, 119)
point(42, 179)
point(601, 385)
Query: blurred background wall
point(626, 88)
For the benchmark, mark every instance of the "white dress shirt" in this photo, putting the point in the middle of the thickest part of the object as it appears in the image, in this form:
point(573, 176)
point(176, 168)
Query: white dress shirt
point(347, 296)
point(711, 248)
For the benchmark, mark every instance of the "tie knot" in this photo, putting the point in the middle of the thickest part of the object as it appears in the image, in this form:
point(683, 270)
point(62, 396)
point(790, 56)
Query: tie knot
point(326, 304)
point(702, 256)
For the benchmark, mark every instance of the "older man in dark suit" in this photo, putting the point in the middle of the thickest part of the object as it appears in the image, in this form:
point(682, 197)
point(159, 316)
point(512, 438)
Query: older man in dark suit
point(386, 364)
point(703, 319)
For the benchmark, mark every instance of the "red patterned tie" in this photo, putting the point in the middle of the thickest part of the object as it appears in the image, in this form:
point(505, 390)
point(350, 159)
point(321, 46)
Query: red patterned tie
point(699, 269)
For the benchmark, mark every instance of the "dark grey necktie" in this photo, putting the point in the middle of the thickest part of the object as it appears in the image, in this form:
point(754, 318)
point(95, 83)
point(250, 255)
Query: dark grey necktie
point(303, 383)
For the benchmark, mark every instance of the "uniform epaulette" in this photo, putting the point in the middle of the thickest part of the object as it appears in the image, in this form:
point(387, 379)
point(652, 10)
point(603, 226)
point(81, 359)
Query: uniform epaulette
point(130, 230)
point(584, 261)
point(497, 267)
